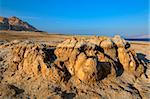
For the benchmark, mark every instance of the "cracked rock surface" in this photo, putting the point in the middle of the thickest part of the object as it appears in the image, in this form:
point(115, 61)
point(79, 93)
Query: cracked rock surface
point(79, 68)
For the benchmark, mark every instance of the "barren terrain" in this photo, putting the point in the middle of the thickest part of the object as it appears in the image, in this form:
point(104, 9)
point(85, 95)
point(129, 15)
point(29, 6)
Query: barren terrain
point(138, 46)
point(40, 65)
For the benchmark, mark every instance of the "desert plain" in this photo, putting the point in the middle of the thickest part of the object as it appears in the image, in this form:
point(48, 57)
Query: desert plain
point(38, 65)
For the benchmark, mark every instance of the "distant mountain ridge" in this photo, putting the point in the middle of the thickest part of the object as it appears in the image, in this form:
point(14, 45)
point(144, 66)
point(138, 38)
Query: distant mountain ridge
point(139, 37)
point(14, 23)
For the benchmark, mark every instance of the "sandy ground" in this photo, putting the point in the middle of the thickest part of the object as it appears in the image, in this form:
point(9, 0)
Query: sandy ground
point(142, 48)
point(21, 63)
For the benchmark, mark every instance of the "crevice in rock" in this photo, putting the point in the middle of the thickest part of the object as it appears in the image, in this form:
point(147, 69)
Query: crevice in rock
point(16, 89)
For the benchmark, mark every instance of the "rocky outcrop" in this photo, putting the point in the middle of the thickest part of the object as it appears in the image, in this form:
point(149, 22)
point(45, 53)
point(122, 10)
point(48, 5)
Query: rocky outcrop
point(108, 56)
point(80, 67)
point(14, 23)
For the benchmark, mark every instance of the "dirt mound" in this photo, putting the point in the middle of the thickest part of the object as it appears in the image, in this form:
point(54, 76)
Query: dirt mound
point(14, 23)
point(80, 67)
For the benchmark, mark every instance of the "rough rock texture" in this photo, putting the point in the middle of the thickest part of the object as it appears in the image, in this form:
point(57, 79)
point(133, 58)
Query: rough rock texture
point(80, 67)
point(14, 23)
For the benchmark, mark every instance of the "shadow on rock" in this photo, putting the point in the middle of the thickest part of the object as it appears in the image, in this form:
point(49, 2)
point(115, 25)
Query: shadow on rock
point(117, 66)
point(68, 95)
point(50, 56)
point(142, 57)
point(16, 89)
point(104, 69)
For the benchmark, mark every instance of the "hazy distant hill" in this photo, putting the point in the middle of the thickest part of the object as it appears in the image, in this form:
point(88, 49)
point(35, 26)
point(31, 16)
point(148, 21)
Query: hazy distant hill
point(14, 23)
point(140, 37)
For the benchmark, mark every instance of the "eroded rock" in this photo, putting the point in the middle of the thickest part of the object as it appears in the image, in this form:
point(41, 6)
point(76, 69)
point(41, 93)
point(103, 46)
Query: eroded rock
point(94, 67)
point(111, 51)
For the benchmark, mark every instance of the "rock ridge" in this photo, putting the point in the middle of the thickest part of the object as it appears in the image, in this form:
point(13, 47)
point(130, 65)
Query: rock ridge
point(14, 23)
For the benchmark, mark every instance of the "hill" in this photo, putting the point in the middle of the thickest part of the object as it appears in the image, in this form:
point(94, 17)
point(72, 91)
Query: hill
point(14, 23)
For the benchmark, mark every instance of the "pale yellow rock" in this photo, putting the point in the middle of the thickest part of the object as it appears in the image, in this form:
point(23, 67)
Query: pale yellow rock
point(72, 61)
point(124, 58)
point(107, 44)
point(119, 41)
point(89, 68)
point(78, 66)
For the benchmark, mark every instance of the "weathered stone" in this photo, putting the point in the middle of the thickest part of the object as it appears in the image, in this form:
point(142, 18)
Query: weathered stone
point(107, 44)
point(86, 67)
point(124, 58)
point(119, 41)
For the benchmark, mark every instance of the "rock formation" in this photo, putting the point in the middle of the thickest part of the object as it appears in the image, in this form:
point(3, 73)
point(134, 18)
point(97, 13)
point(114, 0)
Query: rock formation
point(14, 23)
point(80, 67)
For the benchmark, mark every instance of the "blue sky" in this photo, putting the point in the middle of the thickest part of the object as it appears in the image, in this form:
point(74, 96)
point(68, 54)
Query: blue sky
point(98, 17)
